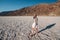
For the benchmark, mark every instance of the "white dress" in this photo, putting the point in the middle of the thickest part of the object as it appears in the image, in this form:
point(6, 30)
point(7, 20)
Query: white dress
point(35, 23)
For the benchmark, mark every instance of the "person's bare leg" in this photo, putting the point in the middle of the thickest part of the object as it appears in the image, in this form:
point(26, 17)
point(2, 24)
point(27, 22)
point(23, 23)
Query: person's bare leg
point(37, 31)
point(32, 30)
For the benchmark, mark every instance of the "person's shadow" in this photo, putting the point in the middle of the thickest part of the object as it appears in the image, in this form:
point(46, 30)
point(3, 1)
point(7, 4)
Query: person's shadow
point(48, 27)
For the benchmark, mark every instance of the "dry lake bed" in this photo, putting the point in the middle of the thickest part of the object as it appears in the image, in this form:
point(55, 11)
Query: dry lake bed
point(18, 28)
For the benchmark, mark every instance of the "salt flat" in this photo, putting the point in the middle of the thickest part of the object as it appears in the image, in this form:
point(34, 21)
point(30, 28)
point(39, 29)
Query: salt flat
point(18, 27)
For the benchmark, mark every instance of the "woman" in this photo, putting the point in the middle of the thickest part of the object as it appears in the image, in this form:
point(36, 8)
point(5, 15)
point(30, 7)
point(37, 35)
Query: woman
point(35, 24)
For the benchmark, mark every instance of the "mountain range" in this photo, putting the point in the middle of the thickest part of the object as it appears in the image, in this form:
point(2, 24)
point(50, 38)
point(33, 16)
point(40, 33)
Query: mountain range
point(39, 9)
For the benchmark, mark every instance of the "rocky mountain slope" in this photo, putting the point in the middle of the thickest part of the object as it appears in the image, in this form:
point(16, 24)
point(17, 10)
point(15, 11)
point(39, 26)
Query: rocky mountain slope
point(40, 9)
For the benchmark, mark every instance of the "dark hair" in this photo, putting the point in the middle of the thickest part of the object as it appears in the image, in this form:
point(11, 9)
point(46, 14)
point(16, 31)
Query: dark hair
point(35, 15)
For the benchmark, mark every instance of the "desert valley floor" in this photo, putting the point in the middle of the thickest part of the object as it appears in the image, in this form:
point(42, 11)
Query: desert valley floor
point(18, 28)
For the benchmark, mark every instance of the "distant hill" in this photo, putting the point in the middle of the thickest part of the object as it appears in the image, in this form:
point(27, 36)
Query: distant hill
point(40, 9)
point(5, 13)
